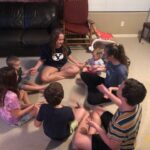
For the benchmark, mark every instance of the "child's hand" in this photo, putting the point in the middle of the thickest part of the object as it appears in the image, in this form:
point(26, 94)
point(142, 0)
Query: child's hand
point(32, 71)
point(80, 65)
point(106, 96)
point(93, 124)
point(112, 89)
point(37, 106)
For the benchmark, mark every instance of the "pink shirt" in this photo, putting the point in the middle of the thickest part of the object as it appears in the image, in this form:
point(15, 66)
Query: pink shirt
point(11, 102)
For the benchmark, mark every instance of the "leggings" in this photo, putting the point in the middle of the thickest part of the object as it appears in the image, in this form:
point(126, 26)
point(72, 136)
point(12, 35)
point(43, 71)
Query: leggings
point(94, 97)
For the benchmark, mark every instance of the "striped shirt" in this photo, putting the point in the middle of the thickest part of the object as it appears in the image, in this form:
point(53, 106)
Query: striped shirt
point(124, 127)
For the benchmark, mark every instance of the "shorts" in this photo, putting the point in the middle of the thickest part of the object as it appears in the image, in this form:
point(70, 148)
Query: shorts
point(55, 66)
point(105, 119)
point(59, 68)
point(24, 119)
point(97, 142)
point(24, 81)
point(73, 126)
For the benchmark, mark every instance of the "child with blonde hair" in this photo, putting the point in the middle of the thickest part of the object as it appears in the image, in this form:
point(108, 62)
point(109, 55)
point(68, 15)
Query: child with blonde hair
point(95, 62)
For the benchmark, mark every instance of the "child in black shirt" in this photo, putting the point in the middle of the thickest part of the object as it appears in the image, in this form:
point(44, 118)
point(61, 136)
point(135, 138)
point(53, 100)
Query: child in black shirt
point(55, 117)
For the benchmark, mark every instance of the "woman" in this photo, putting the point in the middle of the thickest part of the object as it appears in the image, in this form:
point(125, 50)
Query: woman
point(116, 71)
point(55, 58)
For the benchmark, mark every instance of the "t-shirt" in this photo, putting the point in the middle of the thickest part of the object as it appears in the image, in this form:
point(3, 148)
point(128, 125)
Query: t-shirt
point(124, 127)
point(11, 102)
point(115, 74)
point(58, 59)
point(56, 121)
point(92, 62)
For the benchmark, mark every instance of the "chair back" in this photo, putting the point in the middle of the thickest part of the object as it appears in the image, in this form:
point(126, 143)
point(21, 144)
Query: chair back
point(75, 11)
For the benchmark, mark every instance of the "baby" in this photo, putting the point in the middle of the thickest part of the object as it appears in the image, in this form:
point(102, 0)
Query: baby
point(93, 63)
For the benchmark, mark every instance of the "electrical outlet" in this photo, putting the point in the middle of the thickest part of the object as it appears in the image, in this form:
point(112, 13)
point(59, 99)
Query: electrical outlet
point(122, 23)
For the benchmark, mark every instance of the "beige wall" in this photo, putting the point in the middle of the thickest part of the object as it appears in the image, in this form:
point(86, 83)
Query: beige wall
point(111, 21)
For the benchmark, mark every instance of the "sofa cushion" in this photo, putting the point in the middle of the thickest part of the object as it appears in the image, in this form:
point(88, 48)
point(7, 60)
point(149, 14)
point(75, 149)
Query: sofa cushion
point(35, 37)
point(10, 38)
point(11, 15)
point(37, 17)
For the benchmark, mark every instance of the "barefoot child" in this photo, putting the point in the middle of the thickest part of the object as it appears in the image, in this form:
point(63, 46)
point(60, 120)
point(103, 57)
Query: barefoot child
point(10, 109)
point(57, 119)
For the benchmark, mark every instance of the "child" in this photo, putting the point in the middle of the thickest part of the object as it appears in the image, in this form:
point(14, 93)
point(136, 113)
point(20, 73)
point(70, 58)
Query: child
point(23, 77)
point(93, 64)
point(96, 61)
point(55, 117)
point(10, 109)
point(119, 130)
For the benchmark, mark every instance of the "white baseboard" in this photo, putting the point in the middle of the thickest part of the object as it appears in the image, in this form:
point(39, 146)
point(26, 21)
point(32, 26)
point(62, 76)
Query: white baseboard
point(125, 35)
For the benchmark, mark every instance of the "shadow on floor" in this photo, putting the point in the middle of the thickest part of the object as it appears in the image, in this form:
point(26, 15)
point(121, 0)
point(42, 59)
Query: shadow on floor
point(53, 144)
point(59, 145)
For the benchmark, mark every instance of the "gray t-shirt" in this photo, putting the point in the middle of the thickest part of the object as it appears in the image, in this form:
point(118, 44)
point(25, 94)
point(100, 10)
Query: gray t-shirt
point(92, 62)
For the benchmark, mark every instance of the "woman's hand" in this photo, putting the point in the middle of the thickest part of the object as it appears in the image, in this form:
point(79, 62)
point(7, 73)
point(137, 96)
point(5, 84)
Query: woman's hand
point(34, 69)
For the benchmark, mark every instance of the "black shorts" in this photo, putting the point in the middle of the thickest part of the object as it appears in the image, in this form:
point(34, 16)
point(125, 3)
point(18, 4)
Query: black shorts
point(105, 119)
point(58, 66)
point(97, 142)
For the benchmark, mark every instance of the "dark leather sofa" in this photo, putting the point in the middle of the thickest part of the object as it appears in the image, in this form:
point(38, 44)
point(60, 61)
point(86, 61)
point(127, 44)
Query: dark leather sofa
point(24, 27)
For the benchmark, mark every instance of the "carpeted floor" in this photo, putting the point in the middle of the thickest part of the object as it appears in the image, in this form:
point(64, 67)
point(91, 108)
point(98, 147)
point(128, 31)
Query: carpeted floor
point(30, 138)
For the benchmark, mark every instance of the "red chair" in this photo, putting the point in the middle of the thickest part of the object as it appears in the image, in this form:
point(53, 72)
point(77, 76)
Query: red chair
point(77, 28)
